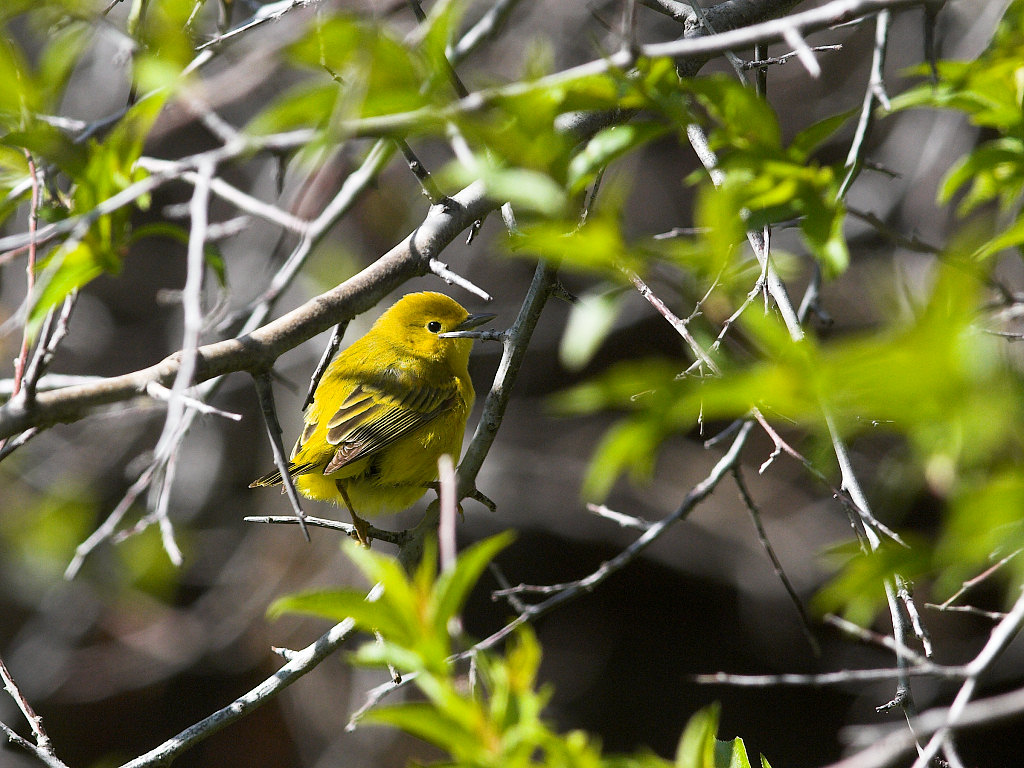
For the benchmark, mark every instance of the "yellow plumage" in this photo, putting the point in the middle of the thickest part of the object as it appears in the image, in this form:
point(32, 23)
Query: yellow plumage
point(386, 409)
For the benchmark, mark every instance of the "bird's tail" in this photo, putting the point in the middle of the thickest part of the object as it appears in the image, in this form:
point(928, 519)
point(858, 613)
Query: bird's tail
point(274, 478)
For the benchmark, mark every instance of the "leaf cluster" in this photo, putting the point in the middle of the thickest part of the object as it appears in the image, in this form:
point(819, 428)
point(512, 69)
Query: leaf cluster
point(989, 92)
point(496, 719)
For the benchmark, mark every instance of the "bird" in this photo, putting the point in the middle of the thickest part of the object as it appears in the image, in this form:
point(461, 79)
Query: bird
point(386, 409)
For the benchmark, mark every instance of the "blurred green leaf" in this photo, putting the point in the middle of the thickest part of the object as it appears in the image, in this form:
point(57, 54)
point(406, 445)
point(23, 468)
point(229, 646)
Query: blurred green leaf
point(810, 138)
point(985, 524)
point(308, 104)
point(47, 143)
point(373, 73)
point(166, 46)
point(597, 246)
point(606, 146)
point(527, 190)
point(39, 533)
point(589, 322)
point(858, 591)
point(995, 170)
point(340, 604)
point(697, 745)
point(426, 722)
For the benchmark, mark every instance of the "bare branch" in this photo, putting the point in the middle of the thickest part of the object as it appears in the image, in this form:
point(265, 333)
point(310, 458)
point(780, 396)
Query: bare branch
point(298, 665)
point(43, 747)
point(258, 349)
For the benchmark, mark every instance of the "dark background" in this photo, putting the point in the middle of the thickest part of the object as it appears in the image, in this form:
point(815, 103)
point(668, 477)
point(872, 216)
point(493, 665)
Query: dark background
point(133, 650)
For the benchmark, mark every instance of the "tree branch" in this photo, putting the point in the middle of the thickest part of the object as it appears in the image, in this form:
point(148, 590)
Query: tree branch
point(259, 349)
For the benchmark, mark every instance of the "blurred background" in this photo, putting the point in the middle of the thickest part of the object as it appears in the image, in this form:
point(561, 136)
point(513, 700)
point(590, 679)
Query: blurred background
point(133, 649)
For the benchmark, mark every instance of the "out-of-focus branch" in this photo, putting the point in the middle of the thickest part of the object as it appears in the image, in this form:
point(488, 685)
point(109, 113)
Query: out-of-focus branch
point(42, 747)
point(173, 170)
point(695, 50)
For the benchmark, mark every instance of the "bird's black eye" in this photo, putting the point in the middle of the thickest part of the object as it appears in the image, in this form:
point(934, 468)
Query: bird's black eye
point(433, 326)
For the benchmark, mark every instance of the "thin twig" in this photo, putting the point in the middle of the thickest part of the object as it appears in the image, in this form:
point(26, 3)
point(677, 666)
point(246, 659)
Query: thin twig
point(43, 745)
point(767, 61)
point(398, 538)
point(266, 395)
point(762, 535)
point(679, 325)
point(325, 360)
point(976, 580)
point(514, 344)
point(842, 677)
point(868, 636)
point(441, 269)
point(874, 95)
point(1000, 637)
point(258, 348)
point(583, 586)
point(299, 664)
point(571, 590)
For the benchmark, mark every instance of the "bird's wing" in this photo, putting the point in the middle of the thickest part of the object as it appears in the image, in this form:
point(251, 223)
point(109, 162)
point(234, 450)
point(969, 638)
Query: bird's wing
point(372, 417)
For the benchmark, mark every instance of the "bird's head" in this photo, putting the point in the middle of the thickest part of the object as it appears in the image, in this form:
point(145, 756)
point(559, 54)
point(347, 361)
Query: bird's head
point(416, 324)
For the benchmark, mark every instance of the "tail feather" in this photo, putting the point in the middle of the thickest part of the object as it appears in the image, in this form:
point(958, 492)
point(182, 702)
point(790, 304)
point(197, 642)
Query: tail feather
point(274, 478)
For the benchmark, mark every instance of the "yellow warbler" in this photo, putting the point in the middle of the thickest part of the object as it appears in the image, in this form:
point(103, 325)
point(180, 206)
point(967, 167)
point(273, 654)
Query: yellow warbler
point(386, 409)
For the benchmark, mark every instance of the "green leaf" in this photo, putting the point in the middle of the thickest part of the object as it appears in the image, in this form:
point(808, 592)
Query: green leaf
point(454, 586)
point(606, 146)
point(398, 655)
point(985, 524)
point(597, 246)
point(740, 117)
point(857, 592)
point(16, 94)
point(67, 268)
point(373, 73)
point(305, 105)
point(807, 140)
point(731, 754)
point(65, 46)
point(338, 605)
point(628, 446)
point(428, 723)
point(50, 144)
point(398, 592)
point(589, 322)
point(526, 189)
point(697, 745)
point(437, 32)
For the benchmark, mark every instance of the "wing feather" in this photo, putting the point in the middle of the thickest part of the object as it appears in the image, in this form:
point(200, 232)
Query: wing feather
point(376, 415)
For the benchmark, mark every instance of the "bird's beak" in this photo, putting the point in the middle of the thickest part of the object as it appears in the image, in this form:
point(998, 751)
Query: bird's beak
point(474, 321)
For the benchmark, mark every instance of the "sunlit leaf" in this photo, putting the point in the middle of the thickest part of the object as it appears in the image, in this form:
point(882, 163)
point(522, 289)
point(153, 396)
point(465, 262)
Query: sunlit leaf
point(697, 745)
point(453, 586)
